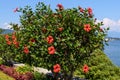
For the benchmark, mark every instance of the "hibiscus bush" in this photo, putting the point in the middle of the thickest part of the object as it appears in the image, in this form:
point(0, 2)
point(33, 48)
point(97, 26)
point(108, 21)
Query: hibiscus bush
point(7, 44)
point(59, 40)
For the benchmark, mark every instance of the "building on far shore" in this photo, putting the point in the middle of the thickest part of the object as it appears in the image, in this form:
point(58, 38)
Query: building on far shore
point(111, 38)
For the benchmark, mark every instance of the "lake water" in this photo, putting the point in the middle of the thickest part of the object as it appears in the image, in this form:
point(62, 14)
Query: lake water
point(113, 51)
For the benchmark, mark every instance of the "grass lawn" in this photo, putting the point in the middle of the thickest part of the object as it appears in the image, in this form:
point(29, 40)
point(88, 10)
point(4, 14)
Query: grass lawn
point(5, 77)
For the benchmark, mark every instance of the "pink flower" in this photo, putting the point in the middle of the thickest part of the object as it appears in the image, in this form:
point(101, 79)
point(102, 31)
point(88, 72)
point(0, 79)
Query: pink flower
point(16, 9)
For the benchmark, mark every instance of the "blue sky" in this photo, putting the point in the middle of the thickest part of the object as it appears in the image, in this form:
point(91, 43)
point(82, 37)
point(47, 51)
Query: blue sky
point(107, 11)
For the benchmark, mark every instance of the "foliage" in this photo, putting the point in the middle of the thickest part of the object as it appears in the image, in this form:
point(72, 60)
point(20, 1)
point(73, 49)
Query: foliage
point(59, 40)
point(1, 61)
point(24, 69)
point(7, 48)
point(39, 76)
point(101, 68)
point(2, 45)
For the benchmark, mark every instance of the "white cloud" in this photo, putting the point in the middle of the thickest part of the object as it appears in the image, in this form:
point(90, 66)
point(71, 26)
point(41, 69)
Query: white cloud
point(112, 24)
point(6, 26)
point(119, 23)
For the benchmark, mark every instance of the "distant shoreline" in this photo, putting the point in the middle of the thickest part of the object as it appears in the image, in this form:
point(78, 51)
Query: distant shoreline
point(111, 38)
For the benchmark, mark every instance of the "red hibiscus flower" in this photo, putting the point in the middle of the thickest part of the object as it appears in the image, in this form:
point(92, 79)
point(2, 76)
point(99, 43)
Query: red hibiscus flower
point(50, 39)
point(9, 42)
point(60, 6)
point(90, 11)
point(56, 68)
point(14, 37)
point(51, 50)
point(60, 29)
point(7, 37)
point(16, 9)
point(81, 9)
point(85, 68)
point(26, 50)
point(87, 27)
point(16, 43)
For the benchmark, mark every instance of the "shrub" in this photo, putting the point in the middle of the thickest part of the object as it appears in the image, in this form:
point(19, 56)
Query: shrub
point(58, 40)
point(8, 48)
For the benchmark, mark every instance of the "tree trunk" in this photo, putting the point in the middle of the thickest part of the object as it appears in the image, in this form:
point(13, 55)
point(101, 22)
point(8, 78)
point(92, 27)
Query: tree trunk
point(71, 75)
point(68, 76)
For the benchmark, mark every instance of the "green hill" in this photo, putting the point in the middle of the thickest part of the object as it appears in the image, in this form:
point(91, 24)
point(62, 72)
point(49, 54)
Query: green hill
point(6, 31)
point(101, 68)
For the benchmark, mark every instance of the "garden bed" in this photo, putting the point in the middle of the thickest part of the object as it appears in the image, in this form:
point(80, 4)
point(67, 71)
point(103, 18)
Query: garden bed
point(11, 71)
point(97, 62)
